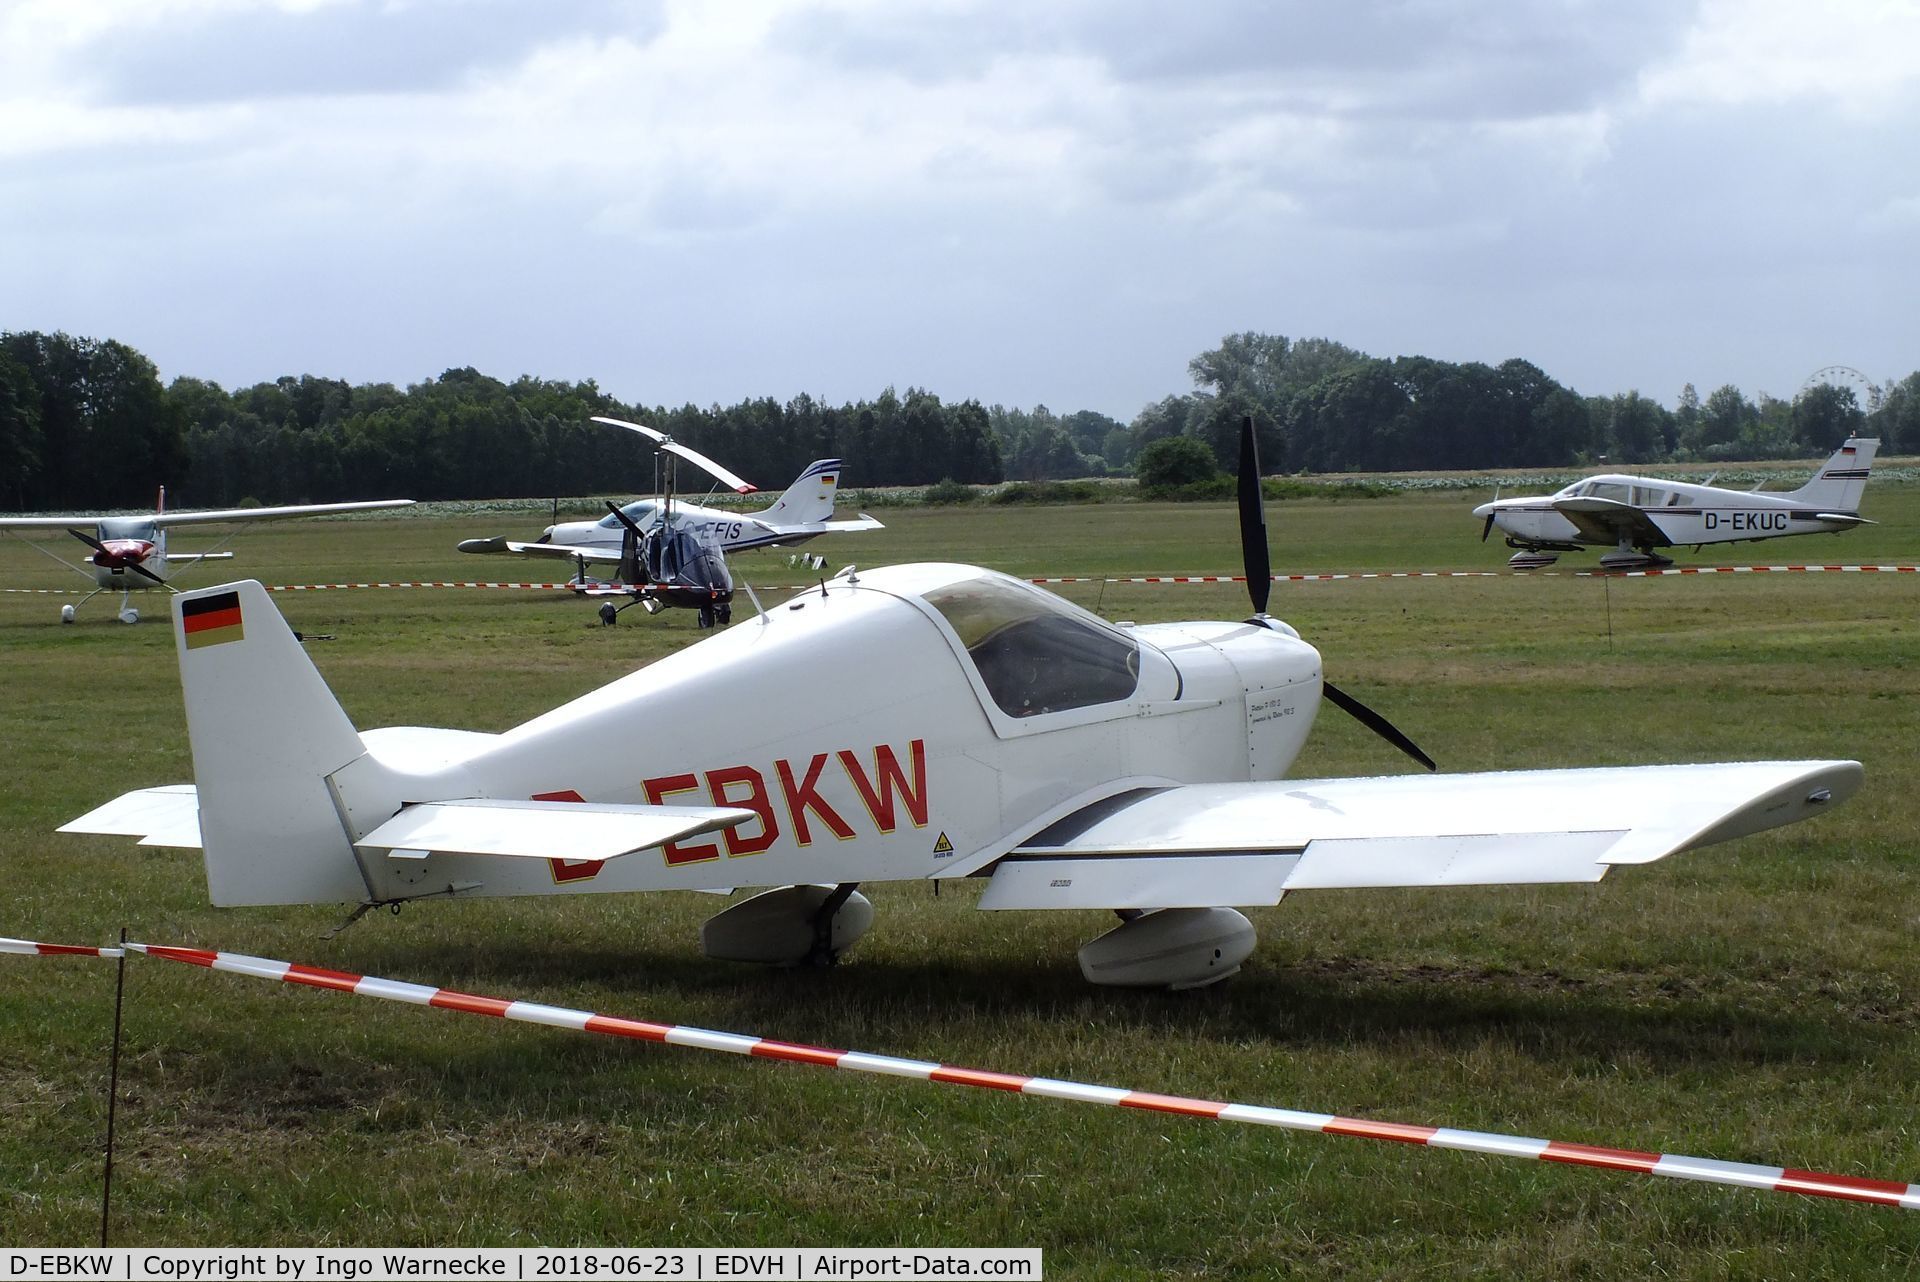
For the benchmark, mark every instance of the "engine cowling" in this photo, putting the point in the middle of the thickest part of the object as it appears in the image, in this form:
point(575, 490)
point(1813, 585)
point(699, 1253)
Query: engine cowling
point(1170, 948)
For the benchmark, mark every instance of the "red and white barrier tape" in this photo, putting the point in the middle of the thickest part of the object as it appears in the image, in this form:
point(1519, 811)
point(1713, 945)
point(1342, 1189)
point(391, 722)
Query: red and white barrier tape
point(1651, 572)
point(33, 948)
point(1739, 1174)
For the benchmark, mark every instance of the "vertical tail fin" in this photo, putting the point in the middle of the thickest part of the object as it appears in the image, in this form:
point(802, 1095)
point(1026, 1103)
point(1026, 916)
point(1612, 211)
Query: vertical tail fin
point(809, 498)
point(266, 734)
point(1837, 487)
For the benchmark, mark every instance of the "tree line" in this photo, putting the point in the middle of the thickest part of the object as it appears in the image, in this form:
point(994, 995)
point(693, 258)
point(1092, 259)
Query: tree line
point(88, 423)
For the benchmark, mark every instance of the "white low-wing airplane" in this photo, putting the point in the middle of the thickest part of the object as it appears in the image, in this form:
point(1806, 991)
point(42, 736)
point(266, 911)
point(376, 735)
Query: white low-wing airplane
point(916, 722)
point(802, 512)
point(130, 552)
point(1633, 515)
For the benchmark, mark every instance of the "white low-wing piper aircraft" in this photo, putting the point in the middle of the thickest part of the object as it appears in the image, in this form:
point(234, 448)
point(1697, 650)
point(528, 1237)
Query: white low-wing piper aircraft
point(1633, 515)
point(130, 552)
point(915, 722)
point(802, 512)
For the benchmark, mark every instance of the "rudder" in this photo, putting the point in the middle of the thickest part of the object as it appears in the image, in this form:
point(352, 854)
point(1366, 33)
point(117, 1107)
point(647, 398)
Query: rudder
point(809, 498)
point(266, 733)
point(1838, 486)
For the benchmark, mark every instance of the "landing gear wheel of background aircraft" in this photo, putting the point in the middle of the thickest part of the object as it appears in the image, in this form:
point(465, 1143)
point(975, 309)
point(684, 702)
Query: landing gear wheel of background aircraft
point(609, 613)
point(66, 614)
point(129, 615)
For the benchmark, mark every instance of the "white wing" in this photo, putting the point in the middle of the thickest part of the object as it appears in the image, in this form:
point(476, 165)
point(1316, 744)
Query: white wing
point(564, 551)
point(1233, 844)
point(202, 518)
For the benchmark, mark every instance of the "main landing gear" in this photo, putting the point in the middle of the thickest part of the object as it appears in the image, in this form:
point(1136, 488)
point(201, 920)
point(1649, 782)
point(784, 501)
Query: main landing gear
point(1630, 558)
point(127, 614)
point(790, 926)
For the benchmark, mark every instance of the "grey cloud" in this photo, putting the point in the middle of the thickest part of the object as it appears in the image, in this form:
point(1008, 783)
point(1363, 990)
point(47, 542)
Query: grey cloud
point(1498, 59)
point(358, 48)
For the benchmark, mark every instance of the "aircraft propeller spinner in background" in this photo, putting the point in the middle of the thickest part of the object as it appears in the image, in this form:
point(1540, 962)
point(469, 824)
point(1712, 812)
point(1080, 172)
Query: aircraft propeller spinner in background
point(130, 552)
point(690, 570)
point(911, 723)
point(1636, 514)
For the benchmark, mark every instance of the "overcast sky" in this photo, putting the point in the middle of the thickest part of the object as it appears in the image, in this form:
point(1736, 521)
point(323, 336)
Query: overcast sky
point(1012, 200)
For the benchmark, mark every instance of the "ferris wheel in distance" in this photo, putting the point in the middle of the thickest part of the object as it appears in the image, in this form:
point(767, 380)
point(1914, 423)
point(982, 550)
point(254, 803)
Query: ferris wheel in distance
point(1866, 394)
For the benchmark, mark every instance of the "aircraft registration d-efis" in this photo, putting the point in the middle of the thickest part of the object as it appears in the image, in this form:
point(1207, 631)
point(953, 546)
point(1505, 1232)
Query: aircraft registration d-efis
point(1633, 515)
point(916, 722)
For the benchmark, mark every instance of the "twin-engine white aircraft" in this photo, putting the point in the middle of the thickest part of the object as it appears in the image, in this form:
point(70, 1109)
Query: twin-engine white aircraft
point(130, 552)
point(904, 724)
point(803, 512)
point(1636, 514)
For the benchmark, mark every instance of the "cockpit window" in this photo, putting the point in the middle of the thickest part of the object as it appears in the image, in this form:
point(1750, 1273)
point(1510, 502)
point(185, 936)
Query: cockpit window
point(639, 512)
point(1610, 490)
point(1034, 652)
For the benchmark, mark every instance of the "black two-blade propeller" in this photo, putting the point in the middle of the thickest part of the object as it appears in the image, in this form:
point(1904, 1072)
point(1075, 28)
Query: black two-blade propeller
point(631, 541)
point(101, 549)
point(1253, 551)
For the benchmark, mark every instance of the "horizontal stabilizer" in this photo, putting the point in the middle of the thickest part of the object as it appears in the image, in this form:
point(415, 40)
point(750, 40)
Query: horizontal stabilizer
point(861, 522)
point(1843, 518)
point(544, 829)
point(199, 556)
point(166, 816)
point(1238, 844)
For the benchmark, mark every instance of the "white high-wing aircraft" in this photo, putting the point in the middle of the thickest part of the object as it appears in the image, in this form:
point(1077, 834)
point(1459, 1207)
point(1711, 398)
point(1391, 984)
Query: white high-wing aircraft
point(910, 723)
point(130, 552)
point(1636, 514)
point(803, 512)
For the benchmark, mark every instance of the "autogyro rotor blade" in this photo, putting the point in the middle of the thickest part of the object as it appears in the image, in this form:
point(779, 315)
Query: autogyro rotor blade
point(1253, 521)
point(101, 548)
point(693, 456)
point(1375, 722)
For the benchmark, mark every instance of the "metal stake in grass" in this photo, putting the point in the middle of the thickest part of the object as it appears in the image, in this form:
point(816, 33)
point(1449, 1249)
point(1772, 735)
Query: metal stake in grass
point(1606, 583)
point(113, 1086)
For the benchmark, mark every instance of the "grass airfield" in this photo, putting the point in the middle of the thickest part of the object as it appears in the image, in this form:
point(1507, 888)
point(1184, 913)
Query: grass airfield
point(1757, 1001)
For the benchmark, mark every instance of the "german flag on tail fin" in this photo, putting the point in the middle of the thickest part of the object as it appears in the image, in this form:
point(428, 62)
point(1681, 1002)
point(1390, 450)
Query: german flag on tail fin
point(212, 620)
